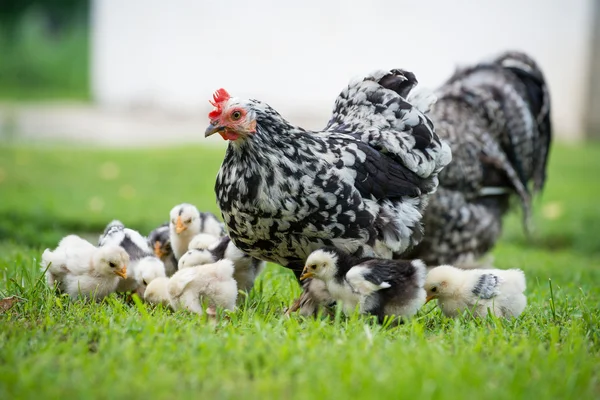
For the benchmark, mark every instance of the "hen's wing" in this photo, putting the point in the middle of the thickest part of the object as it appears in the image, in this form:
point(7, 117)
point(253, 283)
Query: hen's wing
point(376, 175)
point(376, 111)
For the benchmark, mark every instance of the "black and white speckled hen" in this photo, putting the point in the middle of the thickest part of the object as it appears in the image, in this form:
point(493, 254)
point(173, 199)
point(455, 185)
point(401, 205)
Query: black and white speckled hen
point(360, 185)
point(496, 118)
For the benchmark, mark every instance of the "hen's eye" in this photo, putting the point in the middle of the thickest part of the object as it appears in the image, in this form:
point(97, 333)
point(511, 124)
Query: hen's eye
point(434, 289)
point(144, 282)
point(313, 267)
point(236, 115)
point(112, 264)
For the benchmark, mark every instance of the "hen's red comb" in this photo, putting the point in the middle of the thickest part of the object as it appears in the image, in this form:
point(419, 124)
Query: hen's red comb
point(219, 97)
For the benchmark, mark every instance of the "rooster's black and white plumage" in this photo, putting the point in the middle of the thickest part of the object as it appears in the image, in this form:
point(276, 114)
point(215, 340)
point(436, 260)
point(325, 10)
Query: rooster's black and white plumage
point(360, 185)
point(496, 118)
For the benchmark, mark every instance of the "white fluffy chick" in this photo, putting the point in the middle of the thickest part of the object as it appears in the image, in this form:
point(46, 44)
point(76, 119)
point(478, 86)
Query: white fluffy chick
point(322, 266)
point(246, 268)
point(202, 241)
point(379, 287)
point(211, 281)
point(144, 266)
point(185, 222)
point(79, 268)
point(478, 290)
point(146, 271)
point(157, 292)
point(194, 258)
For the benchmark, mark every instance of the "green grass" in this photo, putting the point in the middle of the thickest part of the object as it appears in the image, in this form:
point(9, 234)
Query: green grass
point(51, 348)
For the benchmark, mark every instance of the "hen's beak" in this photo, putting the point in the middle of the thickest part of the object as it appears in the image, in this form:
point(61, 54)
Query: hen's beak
point(306, 274)
point(180, 226)
point(122, 272)
point(429, 298)
point(212, 129)
point(157, 250)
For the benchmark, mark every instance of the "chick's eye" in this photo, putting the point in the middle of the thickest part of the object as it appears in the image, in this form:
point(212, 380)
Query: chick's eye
point(434, 289)
point(144, 282)
point(112, 264)
point(313, 266)
point(236, 115)
point(187, 221)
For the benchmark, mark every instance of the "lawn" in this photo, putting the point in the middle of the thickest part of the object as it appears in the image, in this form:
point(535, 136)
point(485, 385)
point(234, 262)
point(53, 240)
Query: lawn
point(51, 348)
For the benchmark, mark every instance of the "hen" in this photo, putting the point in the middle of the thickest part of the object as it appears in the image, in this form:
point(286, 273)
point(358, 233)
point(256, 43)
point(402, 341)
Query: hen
point(360, 185)
point(496, 118)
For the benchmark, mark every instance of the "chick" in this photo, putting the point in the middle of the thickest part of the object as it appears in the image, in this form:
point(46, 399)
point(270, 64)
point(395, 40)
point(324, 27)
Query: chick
point(132, 241)
point(159, 240)
point(211, 281)
point(79, 268)
point(146, 271)
point(478, 290)
point(157, 292)
point(186, 222)
point(144, 266)
point(246, 268)
point(194, 258)
point(202, 241)
point(378, 287)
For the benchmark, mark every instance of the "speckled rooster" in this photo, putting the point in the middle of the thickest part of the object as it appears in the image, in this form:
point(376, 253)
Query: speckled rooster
point(360, 185)
point(496, 118)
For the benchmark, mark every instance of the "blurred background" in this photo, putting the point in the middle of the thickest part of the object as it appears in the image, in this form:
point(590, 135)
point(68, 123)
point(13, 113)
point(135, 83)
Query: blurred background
point(140, 72)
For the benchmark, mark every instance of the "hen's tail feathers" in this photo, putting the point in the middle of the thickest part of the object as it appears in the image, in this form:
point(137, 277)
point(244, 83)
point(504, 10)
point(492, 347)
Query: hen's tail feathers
point(538, 96)
point(538, 99)
point(400, 81)
point(513, 95)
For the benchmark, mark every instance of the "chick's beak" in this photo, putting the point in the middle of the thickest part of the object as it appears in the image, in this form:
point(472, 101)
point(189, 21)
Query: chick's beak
point(306, 274)
point(429, 298)
point(180, 227)
point(212, 129)
point(157, 250)
point(122, 272)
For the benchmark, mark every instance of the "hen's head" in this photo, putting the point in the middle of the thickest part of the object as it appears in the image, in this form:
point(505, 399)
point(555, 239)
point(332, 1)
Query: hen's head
point(232, 118)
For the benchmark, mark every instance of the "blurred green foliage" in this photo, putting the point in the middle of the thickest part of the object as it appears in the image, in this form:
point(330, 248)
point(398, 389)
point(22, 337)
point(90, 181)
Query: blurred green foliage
point(44, 49)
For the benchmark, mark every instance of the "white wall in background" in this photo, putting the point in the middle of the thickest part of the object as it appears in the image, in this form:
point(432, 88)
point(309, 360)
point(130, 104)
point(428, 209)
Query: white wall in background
point(298, 56)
